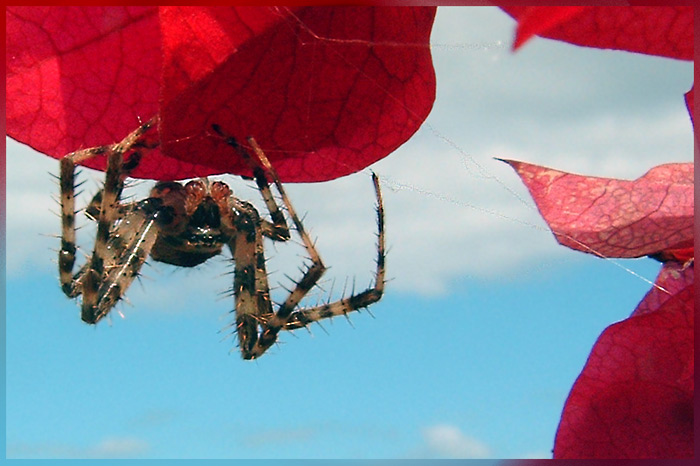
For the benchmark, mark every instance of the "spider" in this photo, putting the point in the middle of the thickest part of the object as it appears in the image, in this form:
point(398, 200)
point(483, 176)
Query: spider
point(187, 224)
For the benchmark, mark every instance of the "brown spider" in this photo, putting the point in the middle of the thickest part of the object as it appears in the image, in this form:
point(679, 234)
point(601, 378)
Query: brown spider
point(184, 225)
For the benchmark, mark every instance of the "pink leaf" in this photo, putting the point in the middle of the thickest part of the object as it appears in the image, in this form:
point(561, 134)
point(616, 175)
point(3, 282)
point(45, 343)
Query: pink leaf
point(615, 218)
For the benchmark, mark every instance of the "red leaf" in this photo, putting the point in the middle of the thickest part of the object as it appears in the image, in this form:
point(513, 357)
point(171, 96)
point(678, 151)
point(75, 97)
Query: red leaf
point(665, 31)
point(80, 76)
point(634, 398)
point(615, 218)
point(690, 103)
point(538, 20)
point(325, 91)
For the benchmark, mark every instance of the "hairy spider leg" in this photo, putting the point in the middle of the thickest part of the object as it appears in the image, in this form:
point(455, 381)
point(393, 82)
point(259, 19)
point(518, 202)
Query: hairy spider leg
point(286, 318)
point(136, 234)
point(252, 293)
point(278, 229)
point(250, 286)
point(66, 255)
point(90, 278)
point(317, 268)
point(303, 317)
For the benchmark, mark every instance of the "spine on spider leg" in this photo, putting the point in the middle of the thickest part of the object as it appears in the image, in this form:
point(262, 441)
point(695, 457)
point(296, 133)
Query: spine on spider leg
point(93, 208)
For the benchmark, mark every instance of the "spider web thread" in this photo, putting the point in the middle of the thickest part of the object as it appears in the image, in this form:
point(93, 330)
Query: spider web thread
point(467, 159)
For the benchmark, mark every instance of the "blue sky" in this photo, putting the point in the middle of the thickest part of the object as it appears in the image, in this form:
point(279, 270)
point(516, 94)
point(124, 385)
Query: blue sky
point(471, 353)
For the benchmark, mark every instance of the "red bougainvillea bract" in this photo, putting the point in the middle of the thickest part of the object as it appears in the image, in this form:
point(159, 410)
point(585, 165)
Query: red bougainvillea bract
point(634, 397)
point(325, 91)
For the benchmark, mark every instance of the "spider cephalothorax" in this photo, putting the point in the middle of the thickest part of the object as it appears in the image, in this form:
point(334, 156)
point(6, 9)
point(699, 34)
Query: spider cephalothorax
point(184, 225)
point(194, 221)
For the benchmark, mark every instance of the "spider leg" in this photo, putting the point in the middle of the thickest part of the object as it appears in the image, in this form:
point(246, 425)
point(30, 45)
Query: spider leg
point(134, 236)
point(274, 322)
point(251, 289)
point(66, 255)
point(72, 285)
point(286, 318)
point(250, 285)
point(89, 279)
point(303, 317)
point(317, 268)
point(278, 229)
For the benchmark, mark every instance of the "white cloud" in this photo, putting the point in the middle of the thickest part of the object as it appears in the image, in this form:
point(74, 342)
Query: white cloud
point(107, 448)
point(32, 214)
point(451, 210)
point(119, 447)
point(448, 441)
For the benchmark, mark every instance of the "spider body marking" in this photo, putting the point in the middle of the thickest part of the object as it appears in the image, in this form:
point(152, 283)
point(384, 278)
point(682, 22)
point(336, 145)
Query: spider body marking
point(186, 224)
